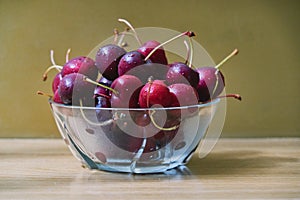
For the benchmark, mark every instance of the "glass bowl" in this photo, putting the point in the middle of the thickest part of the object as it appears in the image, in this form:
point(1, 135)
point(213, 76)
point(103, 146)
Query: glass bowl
point(133, 140)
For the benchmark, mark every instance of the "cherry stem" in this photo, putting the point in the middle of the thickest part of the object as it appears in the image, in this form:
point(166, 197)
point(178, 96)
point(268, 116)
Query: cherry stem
point(57, 67)
point(52, 57)
point(234, 52)
point(44, 94)
point(191, 52)
point(68, 55)
point(45, 75)
point(89, 121)
point(131, 27)
point(188, 50)
point(116, 35)
point(99, 84)
point(159, 127)
point(122, 37)
point(236, 96)
point(150, 81)
point(187, 33)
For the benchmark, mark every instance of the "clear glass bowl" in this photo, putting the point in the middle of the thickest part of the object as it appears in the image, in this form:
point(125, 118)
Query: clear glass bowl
point(133, 140)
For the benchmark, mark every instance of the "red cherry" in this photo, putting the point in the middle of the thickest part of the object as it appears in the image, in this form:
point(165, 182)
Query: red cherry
point(127, 89)
point(185, 95)
point(153, 93)
point(158, 56)
point(181, 73)
point(107, 60)
point(211, 80)
point(211, 83)
point(56, 98)
point(129, 61)
point(83, 65)
point(73, 88)
point(56, 81)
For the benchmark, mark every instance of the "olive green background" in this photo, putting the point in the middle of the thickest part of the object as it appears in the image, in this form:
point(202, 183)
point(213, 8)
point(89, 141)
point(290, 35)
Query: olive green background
point(265, 73)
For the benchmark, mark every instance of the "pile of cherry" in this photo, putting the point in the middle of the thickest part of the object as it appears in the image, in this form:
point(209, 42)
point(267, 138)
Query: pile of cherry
point(142, 78)
point(137, 79)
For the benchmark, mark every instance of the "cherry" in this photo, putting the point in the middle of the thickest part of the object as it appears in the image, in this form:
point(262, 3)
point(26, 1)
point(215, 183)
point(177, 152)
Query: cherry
point(73, 89)
point(211, 83)
point(127, 88)
point(186, 95)
point(129, 61)
point(103, 114)
point(181, 73)
point(211, 80)
point(154, 71)
point(158, 56)
point(120, 135)
point(107, 60)
point(155, 92)
point(141, 118)
point(56, 81)
point(83, 65)
point(56, 98)
point(123, 92)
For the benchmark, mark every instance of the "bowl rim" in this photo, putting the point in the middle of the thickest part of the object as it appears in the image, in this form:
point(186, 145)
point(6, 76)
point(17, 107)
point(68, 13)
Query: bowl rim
point(200, 105)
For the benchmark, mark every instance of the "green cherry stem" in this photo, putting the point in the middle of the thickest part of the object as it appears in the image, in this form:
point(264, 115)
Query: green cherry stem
point(68, 55)
point(54, 66)
point(236, 96)
point(191, 52)
point(159, 127)
point(44, 94)
point(233, 53)
point(187, 33)
point(133, 30)
point(99, 84)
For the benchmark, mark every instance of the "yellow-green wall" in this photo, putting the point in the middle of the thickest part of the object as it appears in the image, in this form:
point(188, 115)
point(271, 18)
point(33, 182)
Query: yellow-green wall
point(265, 73)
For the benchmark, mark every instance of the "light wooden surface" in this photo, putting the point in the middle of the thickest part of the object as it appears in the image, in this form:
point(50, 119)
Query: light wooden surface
point(235, 169)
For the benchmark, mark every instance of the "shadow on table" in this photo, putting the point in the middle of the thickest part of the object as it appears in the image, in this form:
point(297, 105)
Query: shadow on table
point(236, 162)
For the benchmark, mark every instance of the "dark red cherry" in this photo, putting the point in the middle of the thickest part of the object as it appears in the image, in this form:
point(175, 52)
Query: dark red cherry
point(73, 89)
point(56, 98)
point(129, 61)
point(155, 92)
point(83, 65)
point(181, 73)
point(133, 138)
point(107, 60)
point(55, 82)
point(103, 114)
point(127, 89)
point(186, 95)
point(149, 70)
point(158, 56)
point(211, 83)
point(211, 80)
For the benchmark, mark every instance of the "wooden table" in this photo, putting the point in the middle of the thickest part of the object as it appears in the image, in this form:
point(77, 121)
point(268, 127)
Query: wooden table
point(235, 169)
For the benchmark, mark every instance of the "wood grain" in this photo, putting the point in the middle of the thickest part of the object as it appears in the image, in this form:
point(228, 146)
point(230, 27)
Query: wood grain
point(235, 169)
